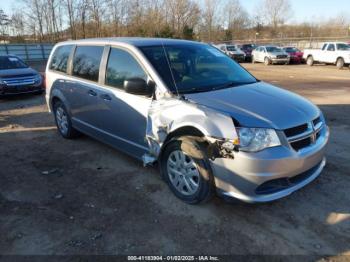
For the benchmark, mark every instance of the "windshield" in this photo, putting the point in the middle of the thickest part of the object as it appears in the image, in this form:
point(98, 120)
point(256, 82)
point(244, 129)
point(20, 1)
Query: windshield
point(273, 49)
point(196, 68)
point(343, 47)
point(231, 48)
point(11, 62)
point(292, 50)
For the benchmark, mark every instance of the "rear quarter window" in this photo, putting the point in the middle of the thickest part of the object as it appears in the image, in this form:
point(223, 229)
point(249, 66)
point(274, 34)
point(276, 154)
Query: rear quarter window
point(86, 62)
point(60, 57)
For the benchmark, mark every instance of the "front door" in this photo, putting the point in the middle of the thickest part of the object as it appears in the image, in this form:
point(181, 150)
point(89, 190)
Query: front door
point(123, 115)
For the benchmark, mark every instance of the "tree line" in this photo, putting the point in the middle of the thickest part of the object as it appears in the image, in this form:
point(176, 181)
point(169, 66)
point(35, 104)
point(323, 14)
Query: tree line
point(204, 20)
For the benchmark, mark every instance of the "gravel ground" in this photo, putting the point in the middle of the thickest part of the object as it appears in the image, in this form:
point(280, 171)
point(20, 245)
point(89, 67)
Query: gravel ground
point(79, 196)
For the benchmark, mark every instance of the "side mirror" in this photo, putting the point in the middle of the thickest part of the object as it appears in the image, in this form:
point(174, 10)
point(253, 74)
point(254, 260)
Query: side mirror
point(139, 86)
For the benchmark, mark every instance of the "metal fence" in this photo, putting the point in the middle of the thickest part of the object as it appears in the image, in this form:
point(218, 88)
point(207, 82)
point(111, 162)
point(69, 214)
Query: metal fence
point(27, 52)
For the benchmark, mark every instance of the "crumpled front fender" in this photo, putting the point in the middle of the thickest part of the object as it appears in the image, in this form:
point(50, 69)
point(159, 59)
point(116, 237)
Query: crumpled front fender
point(167, 115)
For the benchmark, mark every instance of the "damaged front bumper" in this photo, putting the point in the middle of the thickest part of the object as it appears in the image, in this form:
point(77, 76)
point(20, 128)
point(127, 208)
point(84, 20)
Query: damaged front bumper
point(269, 174)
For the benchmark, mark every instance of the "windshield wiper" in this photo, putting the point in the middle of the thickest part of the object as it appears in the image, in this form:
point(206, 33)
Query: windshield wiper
point(214, 87)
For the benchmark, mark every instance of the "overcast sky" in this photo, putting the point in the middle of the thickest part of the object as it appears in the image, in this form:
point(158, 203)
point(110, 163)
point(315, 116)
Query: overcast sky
point(303, 10)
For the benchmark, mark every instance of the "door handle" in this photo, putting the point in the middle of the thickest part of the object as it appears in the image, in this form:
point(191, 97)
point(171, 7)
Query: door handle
point(106, 97)
point(92, 93)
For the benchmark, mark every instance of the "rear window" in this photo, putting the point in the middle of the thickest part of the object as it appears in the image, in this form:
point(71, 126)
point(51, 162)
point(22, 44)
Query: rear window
point(59, 59)
point(11, 62)
point(86, 62)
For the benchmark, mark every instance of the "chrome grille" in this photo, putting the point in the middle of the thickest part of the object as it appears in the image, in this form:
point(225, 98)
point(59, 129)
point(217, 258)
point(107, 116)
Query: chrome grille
point(282, 56)
point(305, 135)
point(19, 81)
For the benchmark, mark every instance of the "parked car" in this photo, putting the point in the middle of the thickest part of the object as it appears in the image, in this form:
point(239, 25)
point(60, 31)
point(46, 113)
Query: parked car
point(16, 77)
point(270, 55)
point(296, 56)
point(247, 49)
point(209, 123)
point(232, 51)
point(331, 53)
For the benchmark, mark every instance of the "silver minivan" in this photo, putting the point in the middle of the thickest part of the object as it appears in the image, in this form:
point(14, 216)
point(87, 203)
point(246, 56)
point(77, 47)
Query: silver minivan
point(209, 124)
point(270, 55)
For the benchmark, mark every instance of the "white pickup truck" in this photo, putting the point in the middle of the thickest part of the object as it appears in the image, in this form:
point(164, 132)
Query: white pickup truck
point(331, 53)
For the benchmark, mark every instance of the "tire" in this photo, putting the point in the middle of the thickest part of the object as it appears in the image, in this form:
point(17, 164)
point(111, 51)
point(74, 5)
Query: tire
point(267, 61)
point(310, 61)
point(340, 63)
point(186, 169)
point(63, 121)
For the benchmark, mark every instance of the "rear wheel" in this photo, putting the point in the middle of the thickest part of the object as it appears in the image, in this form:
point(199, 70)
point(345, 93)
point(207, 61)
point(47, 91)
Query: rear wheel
point(267, 61)
point(186, 169)
point(310, 61)
point(63, 121)
point(340, 63)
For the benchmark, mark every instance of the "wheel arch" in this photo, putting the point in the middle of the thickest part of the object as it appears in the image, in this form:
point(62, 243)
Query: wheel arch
point(56, 95)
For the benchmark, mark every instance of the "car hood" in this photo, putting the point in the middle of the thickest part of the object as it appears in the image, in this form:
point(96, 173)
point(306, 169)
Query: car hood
point(259, 105)
point(18, 72)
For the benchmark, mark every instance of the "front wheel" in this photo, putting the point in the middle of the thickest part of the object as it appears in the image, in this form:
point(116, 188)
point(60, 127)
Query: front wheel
point(186, 169)
point(267, 61)
point(340, 63)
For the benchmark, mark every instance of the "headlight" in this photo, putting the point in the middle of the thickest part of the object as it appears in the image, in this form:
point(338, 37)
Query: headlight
point(37, 79)
point(273, 56)
point(256, 139)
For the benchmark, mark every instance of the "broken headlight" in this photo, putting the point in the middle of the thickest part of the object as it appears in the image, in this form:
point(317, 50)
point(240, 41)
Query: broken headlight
point(256, 139)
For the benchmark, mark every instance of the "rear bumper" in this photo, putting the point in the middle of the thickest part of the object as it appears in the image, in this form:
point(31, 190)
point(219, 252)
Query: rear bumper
point(270, 174)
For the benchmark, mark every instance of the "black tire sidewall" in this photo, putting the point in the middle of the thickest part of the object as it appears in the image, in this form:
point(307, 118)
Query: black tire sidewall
point(196, 151)
point(70, 131)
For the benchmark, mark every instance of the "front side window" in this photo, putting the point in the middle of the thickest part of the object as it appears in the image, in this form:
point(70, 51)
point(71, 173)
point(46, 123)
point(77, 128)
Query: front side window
point(331, 48)
point(122, 66)
point(86, 62)
point(195, 68)
point(11, 62)
point(59, 59)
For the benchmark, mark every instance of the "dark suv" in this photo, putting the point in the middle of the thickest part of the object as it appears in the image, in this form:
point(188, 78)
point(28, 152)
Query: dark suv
point(16, 77)
point(247, 49)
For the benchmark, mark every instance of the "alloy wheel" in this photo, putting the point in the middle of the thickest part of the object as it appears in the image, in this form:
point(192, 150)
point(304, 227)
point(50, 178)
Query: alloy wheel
point(183, 173)
point(62, 120)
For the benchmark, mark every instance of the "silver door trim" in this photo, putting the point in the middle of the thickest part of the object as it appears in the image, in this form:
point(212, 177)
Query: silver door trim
point(109, 134)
